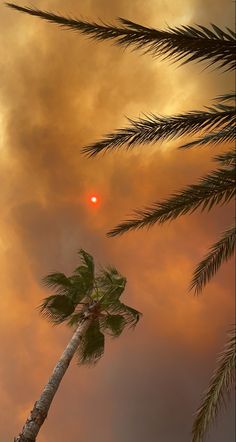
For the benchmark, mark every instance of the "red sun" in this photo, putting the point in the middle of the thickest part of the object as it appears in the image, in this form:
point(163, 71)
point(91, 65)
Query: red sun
point(94, 199)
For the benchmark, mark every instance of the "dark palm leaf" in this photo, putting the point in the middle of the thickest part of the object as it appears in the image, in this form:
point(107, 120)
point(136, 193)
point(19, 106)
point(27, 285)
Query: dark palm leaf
point(72, 287)
point(76, 318)
point(214, 188)
point(57, 281)
point(111, 283)
point(57, 308)
point(154, 128)
point(227, 135)
point(130, 315)
point(219, 253)
point(231, 96)
point(113, 325)
point(87, 261)
point(92, 345)
point(186, 43)
point(86, 270)
point(83, 276)
point(218, 389)
point(227, 158)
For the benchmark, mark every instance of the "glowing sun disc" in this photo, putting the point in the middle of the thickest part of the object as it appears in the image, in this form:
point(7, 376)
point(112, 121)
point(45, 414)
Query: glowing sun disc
point(94, 199)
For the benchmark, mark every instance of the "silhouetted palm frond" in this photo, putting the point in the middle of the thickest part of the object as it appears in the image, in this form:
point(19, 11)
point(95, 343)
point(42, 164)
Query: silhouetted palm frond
point(186, 43)
point(219, 387)
point(154, 128)
point(227, 135)
point(220, 252)
point(230, 96)
point(227, 158)
point(218, 187)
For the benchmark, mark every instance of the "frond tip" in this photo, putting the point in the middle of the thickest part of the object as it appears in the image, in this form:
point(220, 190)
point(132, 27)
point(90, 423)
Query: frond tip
point(219, 388)
point(88, 294)
point(187, 43)
point(219, 253)
point(218, 187)
point(227, 158)
point(227, 135)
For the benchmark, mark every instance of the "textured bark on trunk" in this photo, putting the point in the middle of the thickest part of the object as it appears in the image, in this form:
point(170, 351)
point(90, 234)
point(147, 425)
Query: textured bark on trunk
point(41, 407)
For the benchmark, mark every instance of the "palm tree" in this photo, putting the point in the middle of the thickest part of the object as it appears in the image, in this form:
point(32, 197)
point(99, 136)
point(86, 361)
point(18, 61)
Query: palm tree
point(214, 125)
point(91, 305)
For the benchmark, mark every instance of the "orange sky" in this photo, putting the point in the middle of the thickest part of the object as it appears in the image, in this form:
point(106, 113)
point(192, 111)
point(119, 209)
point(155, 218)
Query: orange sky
point(60, 91)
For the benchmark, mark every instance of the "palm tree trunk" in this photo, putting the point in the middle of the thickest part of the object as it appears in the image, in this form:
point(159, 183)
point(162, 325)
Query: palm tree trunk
point(41, 407)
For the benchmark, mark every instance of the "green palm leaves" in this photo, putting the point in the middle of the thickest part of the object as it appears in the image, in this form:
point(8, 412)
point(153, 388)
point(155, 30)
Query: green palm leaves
point(92, 345)
point(86, 295)
point(185, 43)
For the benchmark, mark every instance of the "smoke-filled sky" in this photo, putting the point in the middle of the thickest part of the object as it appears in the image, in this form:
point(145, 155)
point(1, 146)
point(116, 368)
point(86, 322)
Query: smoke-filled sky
point(59, 91)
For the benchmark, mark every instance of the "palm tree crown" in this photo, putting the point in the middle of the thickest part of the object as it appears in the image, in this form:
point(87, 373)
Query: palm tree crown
point(91, 304)
point(86, 295)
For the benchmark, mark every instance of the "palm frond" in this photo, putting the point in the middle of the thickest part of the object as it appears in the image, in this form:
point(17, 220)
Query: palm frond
point(69, 291)
point(92, 345)
point(57, 281)
point(188, 43)
point(218, 187)
point(219, 253)
point(222, 136)
point(72, 287)
point(155, 128)
point(83, 276)
point(75, 318)
point(130, 315)
point(218, 389)
point(111, 284)
point(87, 261)
point(113, 325)
point(57, 308)
point(230, 96)
point(227, 158)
